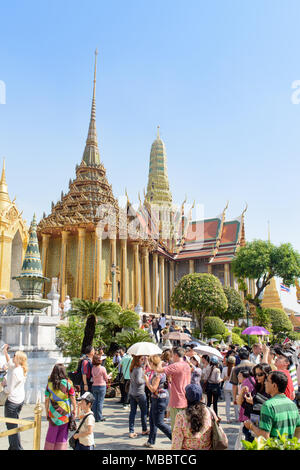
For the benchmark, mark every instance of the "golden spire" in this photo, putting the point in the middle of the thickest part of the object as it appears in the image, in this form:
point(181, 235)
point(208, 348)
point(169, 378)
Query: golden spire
point(4, 197)
point(158, 136)
point(91, 151)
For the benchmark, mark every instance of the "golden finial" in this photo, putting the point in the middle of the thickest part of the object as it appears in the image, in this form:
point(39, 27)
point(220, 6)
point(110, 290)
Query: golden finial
point(3, 180)
point(158, 136)
point(245, 210)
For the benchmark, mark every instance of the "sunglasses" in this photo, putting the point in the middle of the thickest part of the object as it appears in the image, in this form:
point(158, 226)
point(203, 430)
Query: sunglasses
point(259, 375)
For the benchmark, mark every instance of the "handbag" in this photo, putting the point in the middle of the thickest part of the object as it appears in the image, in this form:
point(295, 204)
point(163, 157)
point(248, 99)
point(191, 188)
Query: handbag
point(219, 439)
point(204, 383)
point(72, 440)
point(71, 422)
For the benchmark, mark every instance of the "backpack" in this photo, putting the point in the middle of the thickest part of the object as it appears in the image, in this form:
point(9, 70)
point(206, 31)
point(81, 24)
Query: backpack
point(76, 376)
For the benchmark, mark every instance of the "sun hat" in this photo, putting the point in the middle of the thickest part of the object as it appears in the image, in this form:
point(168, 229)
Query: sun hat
point(193, 394)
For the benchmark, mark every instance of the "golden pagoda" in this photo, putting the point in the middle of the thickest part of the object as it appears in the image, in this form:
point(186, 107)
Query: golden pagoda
point(271, 298)
point(13, 241)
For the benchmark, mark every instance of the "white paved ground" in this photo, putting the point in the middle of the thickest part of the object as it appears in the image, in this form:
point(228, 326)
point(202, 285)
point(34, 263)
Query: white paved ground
point(113, 433)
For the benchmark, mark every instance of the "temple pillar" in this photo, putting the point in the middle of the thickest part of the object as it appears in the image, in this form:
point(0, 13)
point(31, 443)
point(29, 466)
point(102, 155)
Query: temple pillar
point(45, 246)
point(155, 283)
point(172, 282)
point(113, 259)
point(191, 266)
point(137, 279)
point(124, 285)
point(147, 302)
point(162, 284)
point(80, 262)
point(98, 262)
point(226, 275)
point(209, 269)
point(63, 265)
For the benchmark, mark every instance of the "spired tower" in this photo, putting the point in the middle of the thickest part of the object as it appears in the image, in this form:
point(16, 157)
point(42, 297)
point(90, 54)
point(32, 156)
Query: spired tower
point(158, 190)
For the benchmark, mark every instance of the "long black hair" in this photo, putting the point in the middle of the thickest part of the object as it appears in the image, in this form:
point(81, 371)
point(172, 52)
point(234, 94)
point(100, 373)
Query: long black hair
point(57, 375)
point(266, 369)
point(195, 415)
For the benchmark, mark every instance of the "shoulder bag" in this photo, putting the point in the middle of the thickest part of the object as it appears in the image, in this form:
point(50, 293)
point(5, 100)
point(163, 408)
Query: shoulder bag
point(72, 440)
point(219, 439)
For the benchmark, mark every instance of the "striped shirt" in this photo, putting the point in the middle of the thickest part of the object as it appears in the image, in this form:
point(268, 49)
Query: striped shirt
point(279, 413)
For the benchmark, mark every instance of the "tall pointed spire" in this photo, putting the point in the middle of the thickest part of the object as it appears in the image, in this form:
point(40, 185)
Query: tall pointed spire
point(4, 197)
point(91, 154)
point(158, 191)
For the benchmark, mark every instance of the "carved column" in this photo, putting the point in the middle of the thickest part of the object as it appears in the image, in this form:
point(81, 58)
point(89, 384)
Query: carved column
point(191, 266)
point(113, 259)
point(172, 282)
point(155, 283)
point(147, 279)
point(124, 286)
point(80, 262)
point(63, 265)
point(45, 246)
point(98, 278)
point(226, 275)
point(162, 284)
point(137, 274)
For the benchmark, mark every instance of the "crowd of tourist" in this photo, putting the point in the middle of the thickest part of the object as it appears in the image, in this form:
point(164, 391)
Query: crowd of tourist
point(177, 393)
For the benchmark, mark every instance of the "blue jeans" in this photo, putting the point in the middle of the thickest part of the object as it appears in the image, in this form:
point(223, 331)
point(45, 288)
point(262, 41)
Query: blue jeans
point(141, 400)
point(157, 414)
point(11, 410)
point(99, 392)
point(82, 447)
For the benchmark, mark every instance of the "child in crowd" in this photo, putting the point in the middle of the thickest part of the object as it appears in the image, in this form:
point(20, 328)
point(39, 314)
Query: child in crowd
point(85, 436)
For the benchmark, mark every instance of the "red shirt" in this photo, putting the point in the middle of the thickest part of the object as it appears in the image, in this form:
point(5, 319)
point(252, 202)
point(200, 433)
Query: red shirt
point(290, 386)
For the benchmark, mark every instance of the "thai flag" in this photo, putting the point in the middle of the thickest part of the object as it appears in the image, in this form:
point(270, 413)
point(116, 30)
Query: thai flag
point(284, 288)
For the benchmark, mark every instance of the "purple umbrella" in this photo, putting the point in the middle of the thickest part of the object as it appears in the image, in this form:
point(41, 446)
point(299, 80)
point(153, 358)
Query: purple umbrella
point(256, 330)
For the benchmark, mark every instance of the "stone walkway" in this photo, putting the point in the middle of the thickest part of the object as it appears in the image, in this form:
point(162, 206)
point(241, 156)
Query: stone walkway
point(113, 433)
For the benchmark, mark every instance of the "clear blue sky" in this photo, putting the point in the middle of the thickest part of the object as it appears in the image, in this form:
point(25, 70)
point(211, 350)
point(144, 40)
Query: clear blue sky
point(215, 75)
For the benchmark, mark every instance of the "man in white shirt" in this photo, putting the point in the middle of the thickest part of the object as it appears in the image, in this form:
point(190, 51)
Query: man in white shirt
point(256, 354)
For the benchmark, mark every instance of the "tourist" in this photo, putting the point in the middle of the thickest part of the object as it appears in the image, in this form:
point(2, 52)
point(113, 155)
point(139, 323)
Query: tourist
point(157, 385)
point(100, 379)
point(256, 356)
point(246, 385)
point(282, 363)
point(279, 413)
point(213, 380)
point(86, 369)
point(162, 322)
point(14, 387)
point(193, 426)
point(227, 388)
point(180, 375)
point(137, 395)
point(60, 403)
point(155, 328)
point(253, 400)
point(172, 327)
point(125, 377)
point(186, 331)
point(244, 363)
point(85, 436)
point(195, 361)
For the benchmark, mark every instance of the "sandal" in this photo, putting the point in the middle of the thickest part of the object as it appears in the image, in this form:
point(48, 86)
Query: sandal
point(145, 433)
point(132, 435)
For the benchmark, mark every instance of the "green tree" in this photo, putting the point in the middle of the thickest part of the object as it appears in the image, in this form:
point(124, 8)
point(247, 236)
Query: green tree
point(128, 338)
point(261, 260)
point(200, 294)
point(281, 324)
point(236, 308)
point(213, 326)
